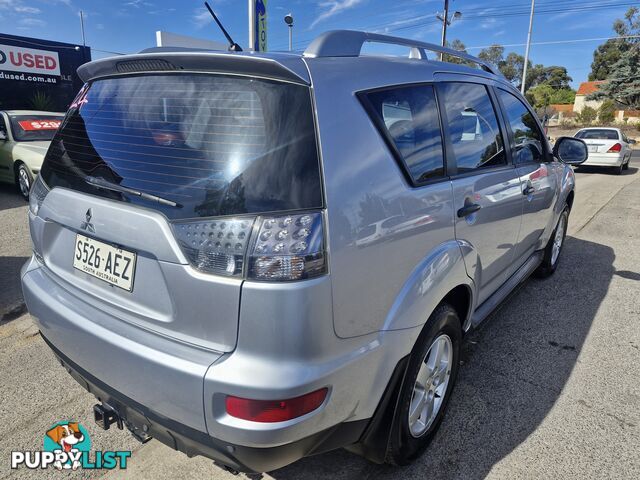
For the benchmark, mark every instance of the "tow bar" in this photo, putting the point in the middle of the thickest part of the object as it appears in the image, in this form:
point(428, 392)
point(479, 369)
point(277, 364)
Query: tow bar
point(105, 416)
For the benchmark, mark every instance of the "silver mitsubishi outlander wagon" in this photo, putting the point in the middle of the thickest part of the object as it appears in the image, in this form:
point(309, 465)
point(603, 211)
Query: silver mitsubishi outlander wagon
point(259, 257)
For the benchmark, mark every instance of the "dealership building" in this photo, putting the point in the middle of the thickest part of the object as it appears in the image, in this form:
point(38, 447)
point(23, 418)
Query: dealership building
point(39, 74)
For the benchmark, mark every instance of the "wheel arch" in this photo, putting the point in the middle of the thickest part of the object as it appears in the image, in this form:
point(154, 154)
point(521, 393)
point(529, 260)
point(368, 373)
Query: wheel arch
point(441, 274)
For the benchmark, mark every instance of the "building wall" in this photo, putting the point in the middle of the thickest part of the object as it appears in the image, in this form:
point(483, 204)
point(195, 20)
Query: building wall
point(581, 101)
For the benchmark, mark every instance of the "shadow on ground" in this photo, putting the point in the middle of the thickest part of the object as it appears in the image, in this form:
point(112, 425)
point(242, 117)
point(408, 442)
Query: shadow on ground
point(10, 197)
point(607, 171)
point(10, 288)
point(514, 369)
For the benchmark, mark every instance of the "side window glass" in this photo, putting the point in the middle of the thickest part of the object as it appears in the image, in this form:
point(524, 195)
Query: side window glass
point(409, 116)
point(527, 135)
point(472, 126)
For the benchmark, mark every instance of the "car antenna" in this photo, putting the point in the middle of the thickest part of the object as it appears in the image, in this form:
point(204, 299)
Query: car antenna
point(233, 46)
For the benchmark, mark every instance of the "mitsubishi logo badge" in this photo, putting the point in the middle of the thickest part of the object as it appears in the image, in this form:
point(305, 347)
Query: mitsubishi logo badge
point(87, 225)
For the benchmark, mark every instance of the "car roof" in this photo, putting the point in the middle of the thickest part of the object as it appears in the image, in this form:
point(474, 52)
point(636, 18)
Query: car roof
point(338, 51)
point(33, 112)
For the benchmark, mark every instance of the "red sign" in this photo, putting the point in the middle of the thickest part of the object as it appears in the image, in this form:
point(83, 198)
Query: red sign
point(30, 125)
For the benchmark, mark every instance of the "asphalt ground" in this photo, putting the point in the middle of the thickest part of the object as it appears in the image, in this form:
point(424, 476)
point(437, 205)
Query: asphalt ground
point(549, 386)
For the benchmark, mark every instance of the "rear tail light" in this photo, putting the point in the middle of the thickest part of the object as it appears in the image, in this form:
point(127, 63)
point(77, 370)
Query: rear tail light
point(617, 148)
point(37, 194)
point(217, 245)
point(289, 247)
point(266, 248)
point(269, 411)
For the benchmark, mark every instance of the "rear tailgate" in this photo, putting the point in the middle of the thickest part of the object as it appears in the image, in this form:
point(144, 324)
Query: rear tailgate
point(167, 296)
point(165, 174)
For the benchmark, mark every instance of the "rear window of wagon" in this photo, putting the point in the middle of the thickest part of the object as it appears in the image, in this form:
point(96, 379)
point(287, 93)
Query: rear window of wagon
point(215, 144)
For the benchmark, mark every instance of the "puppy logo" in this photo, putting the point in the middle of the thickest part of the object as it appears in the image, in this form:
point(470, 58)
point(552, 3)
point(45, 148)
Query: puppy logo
point(70, 438)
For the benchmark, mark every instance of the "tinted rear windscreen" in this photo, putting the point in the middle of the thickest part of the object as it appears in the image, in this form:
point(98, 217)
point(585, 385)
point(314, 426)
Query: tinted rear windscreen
point(217, 145)
point(601, 134)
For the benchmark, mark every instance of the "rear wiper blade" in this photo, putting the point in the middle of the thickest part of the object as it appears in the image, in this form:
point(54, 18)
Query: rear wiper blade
point(114, 187)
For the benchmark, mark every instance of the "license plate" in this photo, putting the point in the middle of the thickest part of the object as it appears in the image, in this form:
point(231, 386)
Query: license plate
point(106, 262)
point(593, 148)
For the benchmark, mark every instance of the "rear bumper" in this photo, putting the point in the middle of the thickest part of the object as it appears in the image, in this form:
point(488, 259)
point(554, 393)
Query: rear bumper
point(604, 160)
point(193, 442)
point(181, 389)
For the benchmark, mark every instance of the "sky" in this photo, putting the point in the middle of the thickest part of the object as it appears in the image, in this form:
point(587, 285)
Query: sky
point(128, 26)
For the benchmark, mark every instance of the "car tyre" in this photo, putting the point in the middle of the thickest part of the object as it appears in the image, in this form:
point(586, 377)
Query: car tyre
point(553, 249)
point(626, 165)
point(618, 170)
point(427, 380)
point(24, 180)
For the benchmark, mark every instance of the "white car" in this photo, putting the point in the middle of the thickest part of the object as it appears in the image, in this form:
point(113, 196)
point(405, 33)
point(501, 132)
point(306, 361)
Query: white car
point(608, 147)
point(25, 136)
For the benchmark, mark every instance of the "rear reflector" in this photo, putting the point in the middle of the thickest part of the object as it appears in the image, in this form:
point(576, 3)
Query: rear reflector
point(615, 149)
point(270, 411)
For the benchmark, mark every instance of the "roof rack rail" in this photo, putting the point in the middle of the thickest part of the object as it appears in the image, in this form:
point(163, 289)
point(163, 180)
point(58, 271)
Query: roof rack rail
point(348, 43)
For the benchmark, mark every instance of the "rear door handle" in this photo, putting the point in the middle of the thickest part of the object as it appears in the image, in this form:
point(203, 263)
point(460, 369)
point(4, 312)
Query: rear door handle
point(468, 210)
point(528, 190)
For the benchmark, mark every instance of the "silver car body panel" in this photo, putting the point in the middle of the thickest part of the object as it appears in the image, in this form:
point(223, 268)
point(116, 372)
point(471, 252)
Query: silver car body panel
point(174, 299)
point(184, 340)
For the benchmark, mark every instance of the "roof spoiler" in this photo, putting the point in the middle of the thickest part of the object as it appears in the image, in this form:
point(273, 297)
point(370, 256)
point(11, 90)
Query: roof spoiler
point(287, 67)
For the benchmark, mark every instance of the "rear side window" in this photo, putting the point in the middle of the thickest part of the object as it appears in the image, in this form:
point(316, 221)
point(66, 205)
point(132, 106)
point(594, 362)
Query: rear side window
point(408, 119)
point(216, 145)
point(597, 134)
point(472, 126)
point(527, 135)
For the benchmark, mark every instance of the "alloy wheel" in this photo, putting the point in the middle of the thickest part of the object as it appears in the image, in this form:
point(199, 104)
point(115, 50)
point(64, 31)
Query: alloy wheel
point(24, 181)
point(558, 239)
point(430, 385)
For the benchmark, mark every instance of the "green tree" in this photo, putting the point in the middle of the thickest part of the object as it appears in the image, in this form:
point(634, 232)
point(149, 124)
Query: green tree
point(607, 112)
point(511, 67)
point(456, 44)
point(623, 84)
point(610, 52)
point(493, 54)
point(540, 96)
point(587, 116)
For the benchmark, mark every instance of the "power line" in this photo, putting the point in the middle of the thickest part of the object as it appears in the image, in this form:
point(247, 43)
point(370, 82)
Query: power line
point(506, 10)
point(555, 42)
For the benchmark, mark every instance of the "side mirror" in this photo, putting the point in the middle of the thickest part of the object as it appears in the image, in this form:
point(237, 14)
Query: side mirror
point(570, 150)
point(632, 141)
point(3, 136)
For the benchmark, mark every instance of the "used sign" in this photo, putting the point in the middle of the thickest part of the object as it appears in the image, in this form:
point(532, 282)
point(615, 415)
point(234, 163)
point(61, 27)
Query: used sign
point(28, 60)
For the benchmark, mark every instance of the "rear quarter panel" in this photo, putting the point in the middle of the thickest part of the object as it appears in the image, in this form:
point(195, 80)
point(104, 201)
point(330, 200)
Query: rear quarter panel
point(385, 275)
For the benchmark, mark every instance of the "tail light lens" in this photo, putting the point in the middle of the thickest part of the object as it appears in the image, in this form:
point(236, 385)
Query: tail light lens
point(266, 248)
point(617, 148)
point(217, 245)
point(37, 194)
point(289, 247)
point(270, 411)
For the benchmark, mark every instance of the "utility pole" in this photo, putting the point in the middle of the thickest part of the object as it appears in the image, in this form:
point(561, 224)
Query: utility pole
point(84, 40)
point(288, 19)
point(526, 52)
point(252, 25)
point(445, 23)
